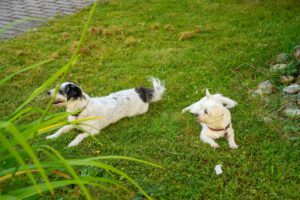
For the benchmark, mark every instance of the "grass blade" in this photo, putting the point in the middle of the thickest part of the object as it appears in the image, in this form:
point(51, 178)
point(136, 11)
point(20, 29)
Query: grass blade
point(124, 158)
point(30, 191)
point(18, 136)
point(23, 70)
point(72, 172)
point(109, 168)
point(19, 159)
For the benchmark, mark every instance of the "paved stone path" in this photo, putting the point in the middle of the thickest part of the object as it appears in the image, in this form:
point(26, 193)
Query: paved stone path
point(12, 10)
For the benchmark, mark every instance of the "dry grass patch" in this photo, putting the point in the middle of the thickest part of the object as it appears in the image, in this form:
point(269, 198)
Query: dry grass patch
point(117, 30)
point(130, 41)
point(84, 50)
point(66, 35)
point(155, 26)
point(187, 35)
point(54, 55)
point(22, 53)
point(96, 30)
point(198, 29)
point(169, 27)
point(107, 32)
point(74, 45)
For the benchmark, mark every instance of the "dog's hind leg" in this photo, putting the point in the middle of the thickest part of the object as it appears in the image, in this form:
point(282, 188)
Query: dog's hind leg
point(81, 136)
point(64, 129)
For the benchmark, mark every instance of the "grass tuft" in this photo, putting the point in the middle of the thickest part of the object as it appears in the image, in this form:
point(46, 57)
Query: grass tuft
point(186, 35)
point(107, 32)
point(96, 30)
point(130, 41)
point(169, 27)
point(155, 26)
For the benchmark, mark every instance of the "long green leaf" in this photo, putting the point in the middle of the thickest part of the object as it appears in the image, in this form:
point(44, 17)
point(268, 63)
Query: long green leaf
point(30, 191)
point(75, 55)
point(122, 157)
point(7, 197)
point(42, 88)
point(23, 70)
point(16, 134)
point(72, 172)
point(19, 159)
point(109, 168)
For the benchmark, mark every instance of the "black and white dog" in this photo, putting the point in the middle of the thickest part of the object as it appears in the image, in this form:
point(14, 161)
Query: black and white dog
point(111, 108)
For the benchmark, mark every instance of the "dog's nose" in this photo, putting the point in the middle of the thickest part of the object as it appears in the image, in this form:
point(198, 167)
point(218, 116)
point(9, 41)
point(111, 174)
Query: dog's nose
point(48, 92)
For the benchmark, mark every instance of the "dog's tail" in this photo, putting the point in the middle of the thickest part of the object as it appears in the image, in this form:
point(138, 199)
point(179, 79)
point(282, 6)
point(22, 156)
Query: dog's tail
point(158, 89)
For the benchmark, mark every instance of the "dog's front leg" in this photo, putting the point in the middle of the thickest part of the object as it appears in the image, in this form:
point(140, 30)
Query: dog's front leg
point(81, 136)
point(64, 129)
point(207, 139)
point(230, 138)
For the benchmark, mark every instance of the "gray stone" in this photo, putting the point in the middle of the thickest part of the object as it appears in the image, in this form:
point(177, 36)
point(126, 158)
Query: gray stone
point(282, 58)
point(264, 88)
point(292, 89)
point(292, 112)
point(278, 67)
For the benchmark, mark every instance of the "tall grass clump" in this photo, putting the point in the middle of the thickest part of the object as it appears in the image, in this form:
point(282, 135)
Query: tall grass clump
point(20, 162)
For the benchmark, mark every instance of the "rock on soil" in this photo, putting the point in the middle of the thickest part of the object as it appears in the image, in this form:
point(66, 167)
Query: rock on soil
point(264, 88)
point(290, 112)
point(292, 89)
point(278, 67)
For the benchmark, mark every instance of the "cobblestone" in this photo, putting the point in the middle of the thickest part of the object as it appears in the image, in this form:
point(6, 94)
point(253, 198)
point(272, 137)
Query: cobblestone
point(12, 10)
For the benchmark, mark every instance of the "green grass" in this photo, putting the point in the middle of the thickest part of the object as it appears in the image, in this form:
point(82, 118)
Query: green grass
point(229, 56)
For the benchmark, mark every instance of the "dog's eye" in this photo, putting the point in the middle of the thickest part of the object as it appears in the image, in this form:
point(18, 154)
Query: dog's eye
point(205, 111)
point(195, 114)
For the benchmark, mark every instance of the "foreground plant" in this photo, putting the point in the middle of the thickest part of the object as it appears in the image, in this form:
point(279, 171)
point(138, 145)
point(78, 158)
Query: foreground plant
point(20, 157)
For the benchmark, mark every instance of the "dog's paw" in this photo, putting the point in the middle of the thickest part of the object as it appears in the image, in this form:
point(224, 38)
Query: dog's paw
point(73, 143)
point(234, 146)
point(76, 141)
point(51, 137)
point(215, 146)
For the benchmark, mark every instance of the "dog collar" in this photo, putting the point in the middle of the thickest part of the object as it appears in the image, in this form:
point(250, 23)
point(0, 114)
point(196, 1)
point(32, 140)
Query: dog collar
point(221, 129)
point(77, 114)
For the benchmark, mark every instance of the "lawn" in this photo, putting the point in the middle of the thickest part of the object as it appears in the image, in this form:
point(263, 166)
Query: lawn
point(128, 42)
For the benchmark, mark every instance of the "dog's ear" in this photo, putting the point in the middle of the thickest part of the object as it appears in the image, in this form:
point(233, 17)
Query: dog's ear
point(73, 91)
point(208, 95)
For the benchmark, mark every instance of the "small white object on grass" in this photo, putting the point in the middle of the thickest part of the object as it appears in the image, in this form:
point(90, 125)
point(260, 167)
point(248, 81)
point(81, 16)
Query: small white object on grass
point(218, 169)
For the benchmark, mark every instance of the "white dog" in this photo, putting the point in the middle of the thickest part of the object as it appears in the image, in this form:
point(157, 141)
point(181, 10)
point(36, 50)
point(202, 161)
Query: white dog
point(213, 115)
point(111, 108)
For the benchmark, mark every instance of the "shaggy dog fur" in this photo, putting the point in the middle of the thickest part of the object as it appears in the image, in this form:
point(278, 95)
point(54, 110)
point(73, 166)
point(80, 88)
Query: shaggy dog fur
point(111, 108)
